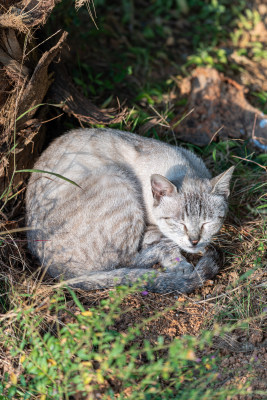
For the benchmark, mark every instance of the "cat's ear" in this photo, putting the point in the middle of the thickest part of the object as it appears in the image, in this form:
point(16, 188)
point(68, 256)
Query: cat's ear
point(161, 187)
point(220, 184)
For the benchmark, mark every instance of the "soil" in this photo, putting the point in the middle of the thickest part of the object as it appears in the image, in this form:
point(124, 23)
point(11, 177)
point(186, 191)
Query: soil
point(220, 111)
point(243, 351)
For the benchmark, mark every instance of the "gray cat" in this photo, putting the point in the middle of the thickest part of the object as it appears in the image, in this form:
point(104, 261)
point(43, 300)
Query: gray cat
point(140, 202)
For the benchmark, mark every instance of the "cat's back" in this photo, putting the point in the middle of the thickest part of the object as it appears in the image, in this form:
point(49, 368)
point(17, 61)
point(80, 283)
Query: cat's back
point(109, 166)
point(86, 157)
point(82, 153)
point(77, 152)
point(107, 200)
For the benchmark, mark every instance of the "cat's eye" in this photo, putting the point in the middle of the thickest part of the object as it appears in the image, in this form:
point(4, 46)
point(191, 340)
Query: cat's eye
point(205, 223)
point(183, 226)
point(168, 220)
point(175, 222)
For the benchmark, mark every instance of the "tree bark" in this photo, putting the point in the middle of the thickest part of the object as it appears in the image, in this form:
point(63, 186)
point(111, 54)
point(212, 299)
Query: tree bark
point(26, 74)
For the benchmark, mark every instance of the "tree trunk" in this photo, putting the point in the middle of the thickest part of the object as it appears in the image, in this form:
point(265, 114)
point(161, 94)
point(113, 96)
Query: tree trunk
point(26, 74)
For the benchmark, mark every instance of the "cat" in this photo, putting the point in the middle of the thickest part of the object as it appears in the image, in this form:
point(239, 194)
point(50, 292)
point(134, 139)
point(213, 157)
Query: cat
point(139, 202)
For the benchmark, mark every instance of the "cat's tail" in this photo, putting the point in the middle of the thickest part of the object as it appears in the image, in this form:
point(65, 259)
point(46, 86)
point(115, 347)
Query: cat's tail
point(152, 279)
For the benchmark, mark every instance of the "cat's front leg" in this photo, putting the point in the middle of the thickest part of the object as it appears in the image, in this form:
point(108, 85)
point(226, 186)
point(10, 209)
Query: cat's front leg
point(164, 251)
point(151, 236)
point(172, 259)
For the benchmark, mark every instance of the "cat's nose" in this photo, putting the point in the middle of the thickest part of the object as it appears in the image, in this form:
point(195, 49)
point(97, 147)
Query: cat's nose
point(194, 242)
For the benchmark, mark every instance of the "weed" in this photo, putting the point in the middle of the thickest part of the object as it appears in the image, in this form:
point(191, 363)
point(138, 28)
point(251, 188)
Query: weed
point(55, 350)
point(89, 356)
point(262, 100)
point(54, 345)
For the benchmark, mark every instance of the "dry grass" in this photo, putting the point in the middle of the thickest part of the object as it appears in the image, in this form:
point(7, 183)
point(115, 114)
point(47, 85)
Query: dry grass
point(236, 298)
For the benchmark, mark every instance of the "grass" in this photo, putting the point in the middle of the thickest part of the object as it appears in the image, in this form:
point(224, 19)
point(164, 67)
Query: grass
point(118, 344)
point(183, 34)
point(88, 355)
point(57, 343)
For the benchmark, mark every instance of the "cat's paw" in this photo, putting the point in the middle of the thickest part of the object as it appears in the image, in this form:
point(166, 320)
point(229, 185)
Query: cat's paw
point(178, 265)
point(151, 236)
point(210, 263)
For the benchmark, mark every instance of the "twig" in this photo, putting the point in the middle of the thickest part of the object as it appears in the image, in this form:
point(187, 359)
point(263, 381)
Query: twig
point(7, 232)
point(225, 294)
point(254, 162)
point(166, 122)
point(51, 119)
point(254, 126)
point(216, 297)
point(42, 42)
point(183, 117)
point(218, 130)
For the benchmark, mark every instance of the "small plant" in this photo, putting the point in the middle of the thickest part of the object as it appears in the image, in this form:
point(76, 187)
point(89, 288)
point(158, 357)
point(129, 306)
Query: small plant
point(262, 99)
point(89, 355)
point(57, 351)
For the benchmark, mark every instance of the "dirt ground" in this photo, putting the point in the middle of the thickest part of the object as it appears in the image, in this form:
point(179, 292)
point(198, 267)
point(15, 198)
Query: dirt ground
point(243, 351)
point(221, 102)
point(227, 299)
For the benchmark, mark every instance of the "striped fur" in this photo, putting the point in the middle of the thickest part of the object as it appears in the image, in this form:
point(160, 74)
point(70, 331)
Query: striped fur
point(140, 202)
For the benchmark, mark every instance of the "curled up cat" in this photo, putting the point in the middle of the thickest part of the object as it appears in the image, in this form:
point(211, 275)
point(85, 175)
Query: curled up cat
point(139, 202)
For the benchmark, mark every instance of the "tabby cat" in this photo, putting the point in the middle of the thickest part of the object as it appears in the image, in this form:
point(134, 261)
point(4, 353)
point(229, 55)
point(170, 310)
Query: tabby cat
point(139, 202)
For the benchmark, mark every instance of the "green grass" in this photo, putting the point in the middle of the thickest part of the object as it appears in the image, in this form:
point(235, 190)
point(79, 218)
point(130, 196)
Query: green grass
point(88, 355)
point(57, 345)
point(56, 342)
point(210, 24)
point(126, 56)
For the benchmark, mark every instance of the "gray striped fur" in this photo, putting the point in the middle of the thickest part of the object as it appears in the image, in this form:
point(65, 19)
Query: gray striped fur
point(140, 203)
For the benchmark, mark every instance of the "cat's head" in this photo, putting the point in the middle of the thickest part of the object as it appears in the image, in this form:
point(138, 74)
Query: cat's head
point(192, 214)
